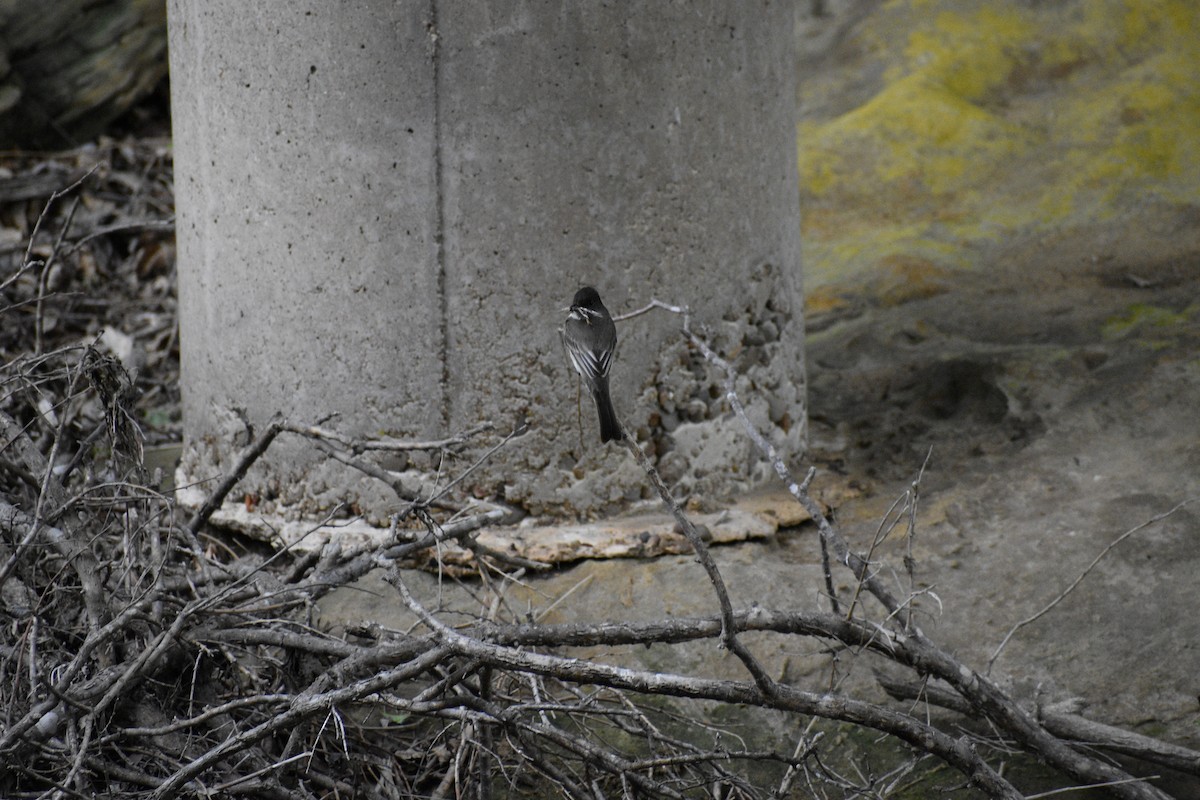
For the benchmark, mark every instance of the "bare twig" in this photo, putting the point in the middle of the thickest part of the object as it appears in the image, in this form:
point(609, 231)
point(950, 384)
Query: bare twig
point(44, 276)
point(518, 430)
point(37, 226)
point(389, 445)
point(1083, 733)
point(684, 311)
point(163, 225)
point(1079, 579)
point(246, 460)
point(728, 636)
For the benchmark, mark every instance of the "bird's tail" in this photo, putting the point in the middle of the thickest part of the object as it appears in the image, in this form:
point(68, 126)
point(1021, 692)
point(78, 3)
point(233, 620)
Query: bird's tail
point(610, 428)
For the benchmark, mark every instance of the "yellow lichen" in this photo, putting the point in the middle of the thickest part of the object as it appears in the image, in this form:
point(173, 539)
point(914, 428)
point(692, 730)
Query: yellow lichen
point(1141, 316)
point(969, 54)
point(991, 120)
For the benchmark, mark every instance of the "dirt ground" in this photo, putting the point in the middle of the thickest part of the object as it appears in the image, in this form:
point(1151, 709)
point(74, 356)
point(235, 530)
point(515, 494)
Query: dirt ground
point(1057, 396)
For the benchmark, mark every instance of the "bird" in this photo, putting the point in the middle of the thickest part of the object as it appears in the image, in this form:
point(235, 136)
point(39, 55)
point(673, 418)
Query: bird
point(590, 337)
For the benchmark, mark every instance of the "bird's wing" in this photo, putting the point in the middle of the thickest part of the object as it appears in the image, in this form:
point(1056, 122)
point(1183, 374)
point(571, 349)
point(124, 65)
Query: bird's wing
point(587, 363)
point(603, 360)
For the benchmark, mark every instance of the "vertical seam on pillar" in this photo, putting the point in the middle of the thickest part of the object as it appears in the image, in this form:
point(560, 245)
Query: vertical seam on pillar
point(440, 215)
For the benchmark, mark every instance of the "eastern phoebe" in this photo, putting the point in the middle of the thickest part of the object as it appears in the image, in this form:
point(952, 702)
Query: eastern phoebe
point(590, 338)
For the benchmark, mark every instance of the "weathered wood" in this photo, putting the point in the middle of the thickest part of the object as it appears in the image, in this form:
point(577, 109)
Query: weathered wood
point(68, 68)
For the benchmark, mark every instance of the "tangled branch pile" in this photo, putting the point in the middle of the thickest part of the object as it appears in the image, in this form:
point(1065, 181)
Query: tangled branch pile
point(143, 656)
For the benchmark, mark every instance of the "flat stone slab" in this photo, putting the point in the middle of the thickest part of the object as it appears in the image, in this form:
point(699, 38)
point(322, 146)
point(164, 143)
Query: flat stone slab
point(642, 533)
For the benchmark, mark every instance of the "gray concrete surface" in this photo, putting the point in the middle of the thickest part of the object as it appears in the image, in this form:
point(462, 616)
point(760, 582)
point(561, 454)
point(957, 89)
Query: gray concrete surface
point(383, 213)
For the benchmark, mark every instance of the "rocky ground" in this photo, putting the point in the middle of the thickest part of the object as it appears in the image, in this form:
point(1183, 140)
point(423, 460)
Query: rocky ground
point(1059, 406)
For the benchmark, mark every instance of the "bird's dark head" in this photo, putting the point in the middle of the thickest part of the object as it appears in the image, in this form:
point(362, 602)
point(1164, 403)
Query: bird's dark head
point(587, 297)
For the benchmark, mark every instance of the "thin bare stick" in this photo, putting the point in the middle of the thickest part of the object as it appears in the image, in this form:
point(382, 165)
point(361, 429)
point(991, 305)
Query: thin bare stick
point(44, 278)
point(910, 563)
point(518, 430)
point(244, 462)
point(860, 567)
point(882, 531)
point(37, 226)
point(1085, 734)
point(1104, 785)
point(389, 445)
point(395, 482)
point(728, 632)
point(164, 225)
point(1079, 579)
point(653, 304)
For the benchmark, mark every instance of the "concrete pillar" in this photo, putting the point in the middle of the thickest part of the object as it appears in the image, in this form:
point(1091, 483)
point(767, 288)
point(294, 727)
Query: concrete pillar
point(384, 206)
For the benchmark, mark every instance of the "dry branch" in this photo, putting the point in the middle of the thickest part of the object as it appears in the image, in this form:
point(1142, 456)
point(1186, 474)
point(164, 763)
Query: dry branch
point(1081, 732)
point(956, 752)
